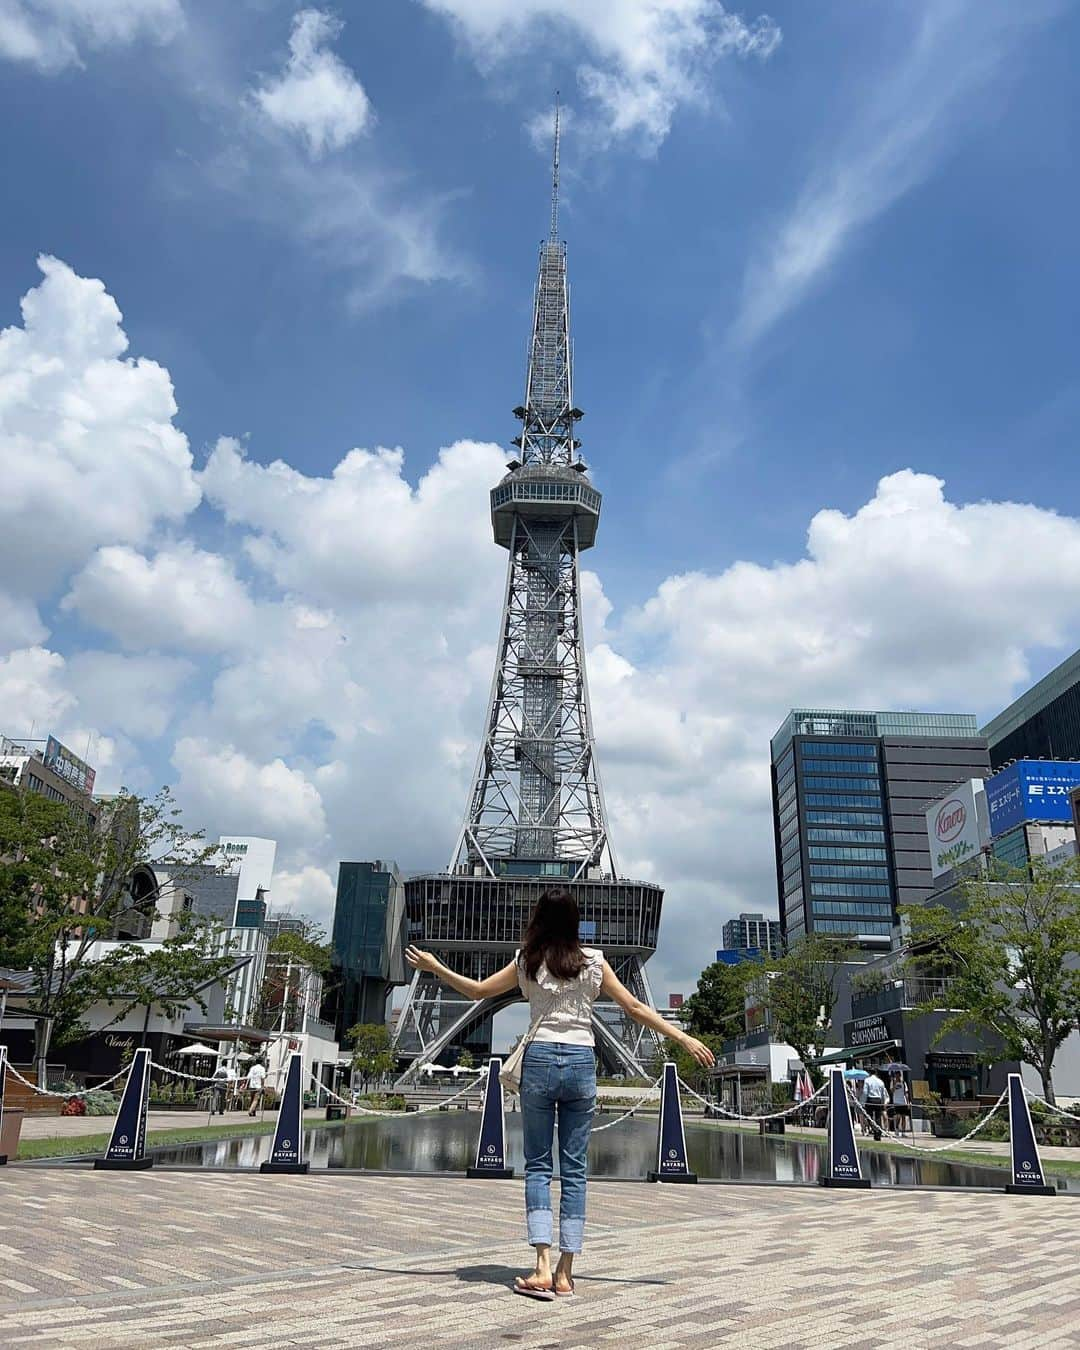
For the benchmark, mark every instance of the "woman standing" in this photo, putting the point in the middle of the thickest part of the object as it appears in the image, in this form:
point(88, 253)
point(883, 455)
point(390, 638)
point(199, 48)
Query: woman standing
point(561, 980)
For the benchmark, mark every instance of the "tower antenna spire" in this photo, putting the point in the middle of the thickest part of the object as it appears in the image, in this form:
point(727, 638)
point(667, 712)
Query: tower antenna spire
point(553, 236)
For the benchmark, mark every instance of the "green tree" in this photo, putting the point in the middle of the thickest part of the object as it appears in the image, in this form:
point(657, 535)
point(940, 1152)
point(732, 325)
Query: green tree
point(71, 871)
point(309, 946)
point(465, 1059)
point(169, 976)
point(718, 1006)
point(1010, 956)
point(799, 990)
point(372, 1056)
point(692, 1073)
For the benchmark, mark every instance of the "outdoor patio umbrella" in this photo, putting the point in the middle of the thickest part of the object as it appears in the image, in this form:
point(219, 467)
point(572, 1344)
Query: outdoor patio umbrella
point(197, 1049)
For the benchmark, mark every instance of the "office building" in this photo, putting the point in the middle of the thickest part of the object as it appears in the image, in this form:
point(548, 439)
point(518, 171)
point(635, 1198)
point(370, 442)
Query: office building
point(850, 791)
point(47, 767)
point(251, 860)
point(368, 941)
point(276, 924)
point(1044, 723)
point(753, 933)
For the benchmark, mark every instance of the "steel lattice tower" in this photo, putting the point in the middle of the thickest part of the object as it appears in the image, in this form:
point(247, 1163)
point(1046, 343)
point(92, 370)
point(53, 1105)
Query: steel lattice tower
point(535, 812)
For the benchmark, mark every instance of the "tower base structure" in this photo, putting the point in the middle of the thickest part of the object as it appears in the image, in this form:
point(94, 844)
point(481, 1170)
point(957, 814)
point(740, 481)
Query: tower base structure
point(620, 917)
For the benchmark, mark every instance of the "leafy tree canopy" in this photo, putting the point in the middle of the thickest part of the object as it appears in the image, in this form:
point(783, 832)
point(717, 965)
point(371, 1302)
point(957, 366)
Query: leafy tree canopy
point(717, 1007)
point(1010, 955)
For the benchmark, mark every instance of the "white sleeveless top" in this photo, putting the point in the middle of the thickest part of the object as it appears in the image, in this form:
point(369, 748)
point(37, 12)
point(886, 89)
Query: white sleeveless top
point(566, 1004)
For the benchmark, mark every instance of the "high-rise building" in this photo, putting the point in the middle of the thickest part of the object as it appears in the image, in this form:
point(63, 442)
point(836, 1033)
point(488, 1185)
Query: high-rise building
point(47, 767)
point(535, 813)
point(1044, 723)
point(850, 791)
point(251, 860)
point(368, 941)
point(753, 932)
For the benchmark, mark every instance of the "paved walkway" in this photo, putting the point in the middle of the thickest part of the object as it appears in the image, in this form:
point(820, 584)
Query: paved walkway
point(70, 1127)
point(175, 1259)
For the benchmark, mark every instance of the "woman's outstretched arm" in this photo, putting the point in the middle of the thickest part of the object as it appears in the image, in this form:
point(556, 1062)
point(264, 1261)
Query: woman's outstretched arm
point(500, 983)
point(649, 1017)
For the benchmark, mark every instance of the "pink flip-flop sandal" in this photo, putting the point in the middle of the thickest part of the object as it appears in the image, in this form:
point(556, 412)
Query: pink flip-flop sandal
point(543, 1295)
point(565, 1293)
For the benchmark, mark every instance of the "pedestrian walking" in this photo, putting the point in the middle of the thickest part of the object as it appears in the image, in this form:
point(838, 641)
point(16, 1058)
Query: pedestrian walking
point(875, 1095)
point(899, 1103)
point(220, 1087)
point(561, 980)
point(256, 1085)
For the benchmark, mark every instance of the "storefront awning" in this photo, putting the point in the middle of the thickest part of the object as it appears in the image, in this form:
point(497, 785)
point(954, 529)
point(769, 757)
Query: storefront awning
point(858, 1052)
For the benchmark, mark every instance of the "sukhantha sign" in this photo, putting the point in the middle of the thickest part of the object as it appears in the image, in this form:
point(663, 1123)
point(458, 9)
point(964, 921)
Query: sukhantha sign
point(956, 826)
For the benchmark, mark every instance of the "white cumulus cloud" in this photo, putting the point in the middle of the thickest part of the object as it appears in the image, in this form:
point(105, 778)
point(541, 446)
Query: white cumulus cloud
point(316, 97)
point(640, 59)
point(53, 34)
point(219, 783)
point(87, 442)
point(181, 597)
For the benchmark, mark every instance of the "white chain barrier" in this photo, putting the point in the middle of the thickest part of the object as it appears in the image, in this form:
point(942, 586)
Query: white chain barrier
point(191, 1077)
point(736, 1115)
point(75, 1092)
point(1050, 1106)
point(384, 1111)
point(647, 1095)
point(939, 1148)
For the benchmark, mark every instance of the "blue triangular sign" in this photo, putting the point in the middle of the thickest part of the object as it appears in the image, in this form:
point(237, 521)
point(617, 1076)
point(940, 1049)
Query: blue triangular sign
point(127, 1147)
point(289, 1135)
point(842, 1166)
point(3, 1085)
point(1027, 1173)
point(671, 1164)
point(491, 1146)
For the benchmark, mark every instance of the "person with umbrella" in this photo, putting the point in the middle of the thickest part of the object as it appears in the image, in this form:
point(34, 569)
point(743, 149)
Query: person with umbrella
point(899, 1099)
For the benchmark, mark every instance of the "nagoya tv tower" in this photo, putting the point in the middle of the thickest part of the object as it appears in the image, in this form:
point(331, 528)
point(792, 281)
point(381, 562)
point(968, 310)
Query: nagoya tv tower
point(535, 814)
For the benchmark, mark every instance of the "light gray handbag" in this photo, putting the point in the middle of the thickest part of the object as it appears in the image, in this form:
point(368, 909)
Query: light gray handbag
point(510, 1073)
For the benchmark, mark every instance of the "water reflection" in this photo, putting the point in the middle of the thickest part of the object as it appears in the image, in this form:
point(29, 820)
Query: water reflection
point(445, 1142)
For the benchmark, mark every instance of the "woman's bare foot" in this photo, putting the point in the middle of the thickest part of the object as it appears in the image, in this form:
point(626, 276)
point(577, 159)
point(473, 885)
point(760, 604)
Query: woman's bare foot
point(537, 1285)
point(564, 1278)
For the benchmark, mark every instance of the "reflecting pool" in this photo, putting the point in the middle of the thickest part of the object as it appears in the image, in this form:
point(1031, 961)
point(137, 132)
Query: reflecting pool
point(446, 1141)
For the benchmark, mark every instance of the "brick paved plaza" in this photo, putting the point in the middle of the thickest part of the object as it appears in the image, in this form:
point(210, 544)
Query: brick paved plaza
point(181, 1259)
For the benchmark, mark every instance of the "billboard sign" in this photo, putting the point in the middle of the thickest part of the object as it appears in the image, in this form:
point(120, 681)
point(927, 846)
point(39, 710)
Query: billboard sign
point(70, 767)
point(955, 826)
point(1031, 789)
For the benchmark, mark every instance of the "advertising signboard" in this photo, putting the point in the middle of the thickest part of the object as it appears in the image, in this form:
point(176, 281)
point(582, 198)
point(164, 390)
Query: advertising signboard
point(955, 826)
point(70, 767)
point(1031, 789)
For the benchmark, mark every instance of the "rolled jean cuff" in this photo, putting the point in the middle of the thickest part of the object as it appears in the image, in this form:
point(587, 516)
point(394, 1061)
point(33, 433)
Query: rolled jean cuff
point(539, 1225)
point(571, 1233)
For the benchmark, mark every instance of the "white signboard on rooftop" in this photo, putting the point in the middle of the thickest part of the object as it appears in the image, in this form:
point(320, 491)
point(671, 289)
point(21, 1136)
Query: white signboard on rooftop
point(957, 826)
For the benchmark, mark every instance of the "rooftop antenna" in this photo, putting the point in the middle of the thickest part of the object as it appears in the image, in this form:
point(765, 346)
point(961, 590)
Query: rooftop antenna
point(553, 236)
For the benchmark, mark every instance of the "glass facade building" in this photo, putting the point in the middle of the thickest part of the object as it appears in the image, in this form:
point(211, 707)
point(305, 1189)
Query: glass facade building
point(368, 941)
point(849, 794)
point(1044, 723)
point(753, 932)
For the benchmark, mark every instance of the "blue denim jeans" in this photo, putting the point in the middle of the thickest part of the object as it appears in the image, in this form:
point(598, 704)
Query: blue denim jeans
point(557, 1080)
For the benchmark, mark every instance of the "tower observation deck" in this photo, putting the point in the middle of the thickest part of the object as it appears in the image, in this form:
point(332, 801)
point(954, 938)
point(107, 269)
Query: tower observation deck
point(535, 814)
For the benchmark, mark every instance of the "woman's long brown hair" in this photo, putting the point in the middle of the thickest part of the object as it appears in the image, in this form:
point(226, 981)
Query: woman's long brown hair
point(551, 938)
